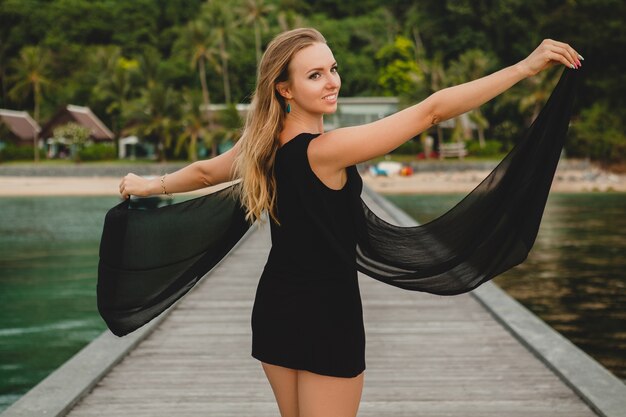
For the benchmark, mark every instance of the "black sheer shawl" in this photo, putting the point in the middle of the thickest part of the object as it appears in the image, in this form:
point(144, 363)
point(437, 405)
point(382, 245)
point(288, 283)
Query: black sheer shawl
point(150, 258)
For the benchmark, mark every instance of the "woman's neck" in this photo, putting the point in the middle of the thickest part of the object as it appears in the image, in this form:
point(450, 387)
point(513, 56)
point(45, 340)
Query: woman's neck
point(297, 122)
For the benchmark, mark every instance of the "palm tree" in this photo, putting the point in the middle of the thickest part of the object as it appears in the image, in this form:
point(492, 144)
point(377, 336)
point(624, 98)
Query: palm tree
point(193, 126)
point(197, 37)
point(31, 76)
point(471, 65)
point(434, 70)
point(255, 12)
point(219, 17)
point(434, 75)
point(3, 67)
point(154, 114)
point(149, 66)
point(541, 85)
point(290, 19)
point(481, 123)
point(115, 86)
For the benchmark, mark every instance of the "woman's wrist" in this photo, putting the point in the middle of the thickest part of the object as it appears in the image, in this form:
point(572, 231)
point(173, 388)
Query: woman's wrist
point(523, 69)
point(153, 186)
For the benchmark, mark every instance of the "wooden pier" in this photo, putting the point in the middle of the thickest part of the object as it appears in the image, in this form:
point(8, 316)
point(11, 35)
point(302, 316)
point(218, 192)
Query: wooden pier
point(426, 356)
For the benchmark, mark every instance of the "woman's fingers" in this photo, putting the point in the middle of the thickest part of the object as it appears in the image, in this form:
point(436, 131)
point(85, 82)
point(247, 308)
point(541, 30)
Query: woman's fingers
point(566, 51)
point(554, 56)
point(575, 55)
point(123, 185)
point(568, 59)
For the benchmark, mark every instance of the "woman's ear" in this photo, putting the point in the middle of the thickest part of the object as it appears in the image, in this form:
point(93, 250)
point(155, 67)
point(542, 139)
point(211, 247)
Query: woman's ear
point(283, 89)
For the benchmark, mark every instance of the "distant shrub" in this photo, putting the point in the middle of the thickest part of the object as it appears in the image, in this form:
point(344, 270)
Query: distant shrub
point(598, 134)
point(11, 152)
point(97, 152)
point(411, 147)
point(76, 134)
point(492, 148)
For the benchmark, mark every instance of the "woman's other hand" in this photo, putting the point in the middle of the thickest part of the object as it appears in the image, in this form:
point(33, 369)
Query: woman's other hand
point(135, 185)
point(548, 54)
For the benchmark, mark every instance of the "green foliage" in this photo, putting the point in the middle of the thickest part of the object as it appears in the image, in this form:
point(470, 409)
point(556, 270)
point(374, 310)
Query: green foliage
point(229, 117)
point(410, 147)
point(74, 133)
point(108, 55)
point(599, 134)
point(492, 148)
point(11, 152)
point(97, 152)
point(399, 73)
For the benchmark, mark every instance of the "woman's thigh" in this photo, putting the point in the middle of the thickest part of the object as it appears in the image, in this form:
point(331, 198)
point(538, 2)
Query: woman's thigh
point(284, 382)
point(328, 396)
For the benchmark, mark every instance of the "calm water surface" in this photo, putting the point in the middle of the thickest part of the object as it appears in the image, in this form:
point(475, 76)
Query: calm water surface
point(575, 275)
point(573, 278)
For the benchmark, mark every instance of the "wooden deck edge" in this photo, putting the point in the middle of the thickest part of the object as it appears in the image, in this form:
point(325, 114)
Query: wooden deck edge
point(55, 395)
point(602, 391)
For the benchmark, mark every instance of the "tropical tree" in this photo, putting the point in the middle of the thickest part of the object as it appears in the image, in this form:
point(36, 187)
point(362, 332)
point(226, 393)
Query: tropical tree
point(256, 12)
point(116, 86)
point(228, 128)
point(3, 67)
point(202, 51)
point(536, 91)
point(219, 17)
point(433, 70)
point(155, 115)
point(30, 76)
point(76, 134)
point(469, 66)
point(399, 75)
point(149, 62)
point(193, 125)
point(290, 19)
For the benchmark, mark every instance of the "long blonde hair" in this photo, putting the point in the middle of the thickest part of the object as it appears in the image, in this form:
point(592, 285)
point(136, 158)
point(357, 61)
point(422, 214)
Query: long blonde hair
point(254, 162)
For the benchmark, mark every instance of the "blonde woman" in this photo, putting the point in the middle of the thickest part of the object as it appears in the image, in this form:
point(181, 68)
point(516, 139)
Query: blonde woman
point(307, 320)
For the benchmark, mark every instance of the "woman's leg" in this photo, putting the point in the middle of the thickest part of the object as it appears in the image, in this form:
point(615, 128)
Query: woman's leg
point(328, 396)
point(284, 382)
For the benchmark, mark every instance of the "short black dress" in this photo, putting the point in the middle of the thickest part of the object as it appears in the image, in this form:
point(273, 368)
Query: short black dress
point(307, 312)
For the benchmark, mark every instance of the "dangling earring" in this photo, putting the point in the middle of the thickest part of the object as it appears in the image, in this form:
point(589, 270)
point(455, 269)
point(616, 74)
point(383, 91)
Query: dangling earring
point(288, 109)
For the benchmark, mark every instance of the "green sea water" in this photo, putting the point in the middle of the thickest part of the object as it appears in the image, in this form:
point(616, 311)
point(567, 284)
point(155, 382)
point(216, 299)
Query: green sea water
point(573, 278)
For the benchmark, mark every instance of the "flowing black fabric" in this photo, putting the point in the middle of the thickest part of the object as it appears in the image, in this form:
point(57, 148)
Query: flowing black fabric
point(491, 230)
point(150, 258)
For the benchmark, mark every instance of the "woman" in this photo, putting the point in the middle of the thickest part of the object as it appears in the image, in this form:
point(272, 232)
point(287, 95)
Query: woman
point(307, 317)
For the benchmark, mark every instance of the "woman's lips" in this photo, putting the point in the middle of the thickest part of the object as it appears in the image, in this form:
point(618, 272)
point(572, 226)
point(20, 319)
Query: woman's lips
point(331, 98)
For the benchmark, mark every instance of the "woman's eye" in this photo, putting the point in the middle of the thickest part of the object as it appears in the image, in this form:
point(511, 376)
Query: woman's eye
point(316, 75)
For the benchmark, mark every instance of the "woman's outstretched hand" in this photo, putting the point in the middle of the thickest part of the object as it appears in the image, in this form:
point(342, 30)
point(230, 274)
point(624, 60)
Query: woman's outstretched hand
point(135, 185)
point(548, 54)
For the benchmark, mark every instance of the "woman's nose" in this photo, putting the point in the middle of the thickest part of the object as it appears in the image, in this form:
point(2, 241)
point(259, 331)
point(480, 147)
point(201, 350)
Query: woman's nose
point(333, 81)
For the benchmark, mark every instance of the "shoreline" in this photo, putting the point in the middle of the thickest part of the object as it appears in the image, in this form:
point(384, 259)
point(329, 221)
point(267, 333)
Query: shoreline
point(566, 181)
point(570, 181)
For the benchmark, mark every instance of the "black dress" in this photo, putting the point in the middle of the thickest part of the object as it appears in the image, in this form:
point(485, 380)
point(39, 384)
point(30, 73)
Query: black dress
point(307, 311)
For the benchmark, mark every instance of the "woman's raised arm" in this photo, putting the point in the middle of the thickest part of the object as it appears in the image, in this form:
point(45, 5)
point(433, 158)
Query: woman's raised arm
point(343, 147)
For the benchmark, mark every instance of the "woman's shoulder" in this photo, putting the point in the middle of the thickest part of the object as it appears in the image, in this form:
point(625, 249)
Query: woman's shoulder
point(287, 137)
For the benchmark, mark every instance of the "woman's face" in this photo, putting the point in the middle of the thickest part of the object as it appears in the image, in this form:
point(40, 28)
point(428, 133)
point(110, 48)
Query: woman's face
point(314, 82)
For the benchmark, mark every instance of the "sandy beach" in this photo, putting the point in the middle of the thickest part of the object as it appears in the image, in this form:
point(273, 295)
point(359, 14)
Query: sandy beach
point(589, 180)
point(569, 181)
point(77, 186)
